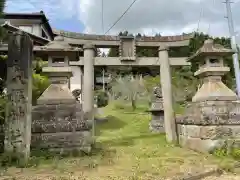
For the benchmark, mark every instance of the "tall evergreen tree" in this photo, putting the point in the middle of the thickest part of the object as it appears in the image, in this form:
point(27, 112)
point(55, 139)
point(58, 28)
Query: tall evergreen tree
point(2, 5)
point(3, 34)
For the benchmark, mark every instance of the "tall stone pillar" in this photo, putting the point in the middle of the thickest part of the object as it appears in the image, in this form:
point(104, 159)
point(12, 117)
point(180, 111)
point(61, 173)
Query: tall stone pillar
point(81, 83)
point(19, 93)
point(166, 84)
point(88, 79)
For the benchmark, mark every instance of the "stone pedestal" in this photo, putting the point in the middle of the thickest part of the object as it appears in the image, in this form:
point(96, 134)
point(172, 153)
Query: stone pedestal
point(156, 124)
point(60, 128)
point(210, 125)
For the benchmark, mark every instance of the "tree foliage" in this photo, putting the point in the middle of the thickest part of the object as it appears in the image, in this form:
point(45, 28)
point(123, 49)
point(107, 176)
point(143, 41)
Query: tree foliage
point(128, 88)
point(40, 84)
point(2, 6)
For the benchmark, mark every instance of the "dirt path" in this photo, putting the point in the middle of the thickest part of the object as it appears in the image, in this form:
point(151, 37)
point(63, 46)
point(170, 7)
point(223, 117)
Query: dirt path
point(224, 177)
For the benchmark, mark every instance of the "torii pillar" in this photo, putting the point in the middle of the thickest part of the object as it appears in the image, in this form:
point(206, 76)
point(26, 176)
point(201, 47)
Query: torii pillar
point(166, 84)
point(88, 80)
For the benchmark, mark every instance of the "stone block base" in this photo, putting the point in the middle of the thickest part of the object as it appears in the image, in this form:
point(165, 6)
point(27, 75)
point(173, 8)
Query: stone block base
point(63, 141)
point(60, 128)
point(208, 138)
point(156, 125)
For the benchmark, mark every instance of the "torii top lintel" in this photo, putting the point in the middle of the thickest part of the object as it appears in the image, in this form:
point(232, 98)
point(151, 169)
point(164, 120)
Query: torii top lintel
point(110, 41)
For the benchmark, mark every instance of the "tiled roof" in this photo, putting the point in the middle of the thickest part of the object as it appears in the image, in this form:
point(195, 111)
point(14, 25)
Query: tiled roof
point(209, 48)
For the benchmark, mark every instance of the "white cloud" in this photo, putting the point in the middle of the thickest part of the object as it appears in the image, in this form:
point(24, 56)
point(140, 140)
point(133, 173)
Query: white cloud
point(163, 16)
point(167, 17)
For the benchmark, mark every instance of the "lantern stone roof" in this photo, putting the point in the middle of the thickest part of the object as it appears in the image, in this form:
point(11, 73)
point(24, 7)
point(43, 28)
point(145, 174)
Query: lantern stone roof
point(210, 49)
point(59, 45)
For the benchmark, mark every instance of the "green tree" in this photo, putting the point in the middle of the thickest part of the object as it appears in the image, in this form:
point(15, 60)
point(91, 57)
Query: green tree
point(3, 33)
point(129, 89)
point(2, 6)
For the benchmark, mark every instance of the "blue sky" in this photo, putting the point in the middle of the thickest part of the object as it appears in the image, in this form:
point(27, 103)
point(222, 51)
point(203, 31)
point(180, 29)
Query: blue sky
point(64, 14)
point(167, 17)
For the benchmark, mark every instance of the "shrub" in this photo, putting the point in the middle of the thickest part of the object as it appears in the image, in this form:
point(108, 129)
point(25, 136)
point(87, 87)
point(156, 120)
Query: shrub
point(236, 153)
point(102, 98)
point(224, 151)
point(40, 84)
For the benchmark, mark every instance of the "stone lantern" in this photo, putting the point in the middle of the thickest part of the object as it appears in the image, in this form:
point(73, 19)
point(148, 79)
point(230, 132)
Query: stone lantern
point(58, 120)
point(157, 111)
point(59, 53)
point(211, 121)
point(210, 59)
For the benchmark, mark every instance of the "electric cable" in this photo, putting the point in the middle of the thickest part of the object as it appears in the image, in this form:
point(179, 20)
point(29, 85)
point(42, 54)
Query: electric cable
point(125, 12)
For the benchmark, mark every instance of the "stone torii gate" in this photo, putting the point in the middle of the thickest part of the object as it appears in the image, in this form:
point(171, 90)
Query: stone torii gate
point(127, 46)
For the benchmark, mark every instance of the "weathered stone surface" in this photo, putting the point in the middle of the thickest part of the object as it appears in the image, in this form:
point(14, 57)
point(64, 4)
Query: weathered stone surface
point(127, 48)
point(17, 126)
point(156, 106)
point(157, 125)
point(56, 94)
point(60, 127)
point(212, 113)
point(209, 132)
point(114, 38)
point(62, 140)
point(189, 130)
point(202, 145)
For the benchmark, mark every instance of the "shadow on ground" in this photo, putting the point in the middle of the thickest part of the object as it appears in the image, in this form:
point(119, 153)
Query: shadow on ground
point(128, 141)
point(111, 123)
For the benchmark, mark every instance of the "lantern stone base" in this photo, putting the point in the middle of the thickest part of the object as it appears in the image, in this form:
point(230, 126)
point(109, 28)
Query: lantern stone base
point(58, 122)
point(210, 125)
point(156, 124)
point(61, 128)
point(208, 138)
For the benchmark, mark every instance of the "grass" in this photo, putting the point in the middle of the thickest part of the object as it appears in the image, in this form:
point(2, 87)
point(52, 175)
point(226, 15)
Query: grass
point(126, 150)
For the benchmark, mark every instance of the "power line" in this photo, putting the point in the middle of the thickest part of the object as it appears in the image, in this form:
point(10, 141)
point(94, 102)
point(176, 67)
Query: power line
point(129, 7)
point(209, 25)
point(102, 16)
point(200, 16)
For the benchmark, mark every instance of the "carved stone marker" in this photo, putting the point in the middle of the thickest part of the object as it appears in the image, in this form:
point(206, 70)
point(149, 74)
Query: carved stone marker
point(127, 48)
point(157, 122)
point(212, 120)
point(19, 93)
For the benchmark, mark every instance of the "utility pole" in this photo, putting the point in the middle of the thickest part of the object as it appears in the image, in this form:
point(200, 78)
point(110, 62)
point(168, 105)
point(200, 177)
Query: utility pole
point(233, 45)
point(103, 79)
